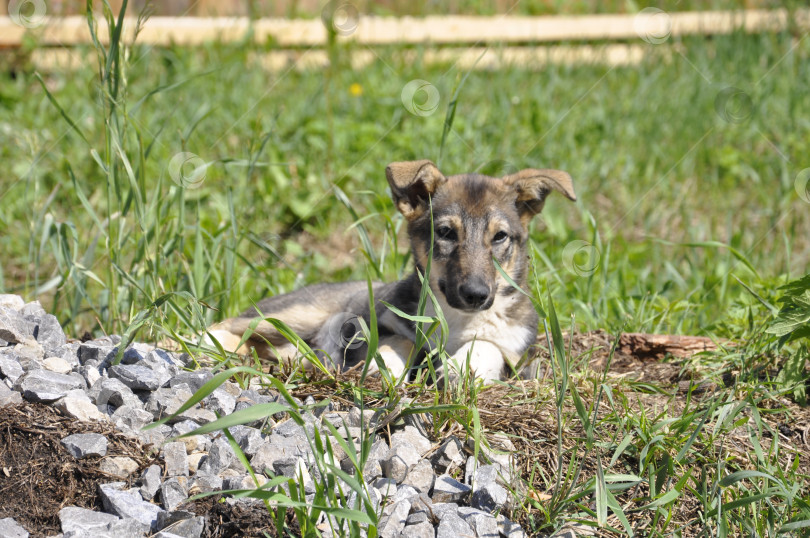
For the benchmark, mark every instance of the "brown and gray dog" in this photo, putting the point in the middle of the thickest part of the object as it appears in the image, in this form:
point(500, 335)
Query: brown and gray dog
point(474, 220)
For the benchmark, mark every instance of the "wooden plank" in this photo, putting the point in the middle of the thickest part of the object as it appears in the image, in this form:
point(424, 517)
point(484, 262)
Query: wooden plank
point(441, 30)
point(659, 345)
point(465, 58)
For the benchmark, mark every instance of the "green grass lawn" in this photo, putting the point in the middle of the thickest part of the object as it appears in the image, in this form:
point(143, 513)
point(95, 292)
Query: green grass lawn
point(691, 213)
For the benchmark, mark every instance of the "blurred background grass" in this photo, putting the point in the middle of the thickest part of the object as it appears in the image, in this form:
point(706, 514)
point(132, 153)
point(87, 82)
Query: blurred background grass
point(700, 142)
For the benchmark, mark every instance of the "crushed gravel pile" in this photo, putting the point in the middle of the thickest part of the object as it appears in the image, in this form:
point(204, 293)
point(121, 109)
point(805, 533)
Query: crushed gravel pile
point(115, 479)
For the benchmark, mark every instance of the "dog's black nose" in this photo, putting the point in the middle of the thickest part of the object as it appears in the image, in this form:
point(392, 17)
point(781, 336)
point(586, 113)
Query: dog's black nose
point(474, 293)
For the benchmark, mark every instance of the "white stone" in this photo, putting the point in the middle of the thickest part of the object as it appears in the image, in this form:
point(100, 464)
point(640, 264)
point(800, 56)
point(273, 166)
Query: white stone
point(57, 364)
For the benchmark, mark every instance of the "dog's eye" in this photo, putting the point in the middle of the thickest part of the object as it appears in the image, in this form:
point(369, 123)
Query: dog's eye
point(446, 232)
point(500, 237)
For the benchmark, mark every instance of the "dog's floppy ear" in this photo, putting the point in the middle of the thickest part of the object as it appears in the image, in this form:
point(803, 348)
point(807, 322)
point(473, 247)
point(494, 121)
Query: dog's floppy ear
point(532, 186)
point(412, 182)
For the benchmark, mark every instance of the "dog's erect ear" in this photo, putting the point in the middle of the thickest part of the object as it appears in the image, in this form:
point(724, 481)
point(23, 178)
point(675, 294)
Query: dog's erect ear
point(412, 182)
point(532, 187)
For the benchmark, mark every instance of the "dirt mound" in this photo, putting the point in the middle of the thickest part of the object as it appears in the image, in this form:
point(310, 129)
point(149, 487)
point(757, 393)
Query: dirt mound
point(38, 477)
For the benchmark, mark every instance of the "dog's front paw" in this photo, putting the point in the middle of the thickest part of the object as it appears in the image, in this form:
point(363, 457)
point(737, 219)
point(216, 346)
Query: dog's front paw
point(484, 360)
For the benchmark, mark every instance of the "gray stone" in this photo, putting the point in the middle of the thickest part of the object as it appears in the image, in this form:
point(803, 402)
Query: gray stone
point(452, 526)
point(128, 417)
point(57, 364)
point(107, 391)
point(69, 352)
point(191, 527)
point(11, 529)
point(276, 448)
point(249, 439)
point(386, 486)
point(415, 439)
point(401, 457)
point(8, 396)
point(164, 402)
point(153, 436)
point(28, 355)
point(33, 309)
point(14, 328)
point(355, 502)
point(405, 493)
point(421, 476)
point(373, 468)
point(128, 504)
point(449, 490)
point(194, 460)
point(176, 459)
point(194, 443)
point(484, 524)
point(422, 503)
point(77, 404)
point(297, 469)
point(150, 482)
point(11, 368)
point(248, 398)
point(169, 518)
point(136, 353)
point(138, 377)
point(469, 470)
point(336, 419)
point(118, 466)
point(127, 527)
point(167, 401)
point(289, 428)
point(90, 373)
point(423, 422)
point(11, 301)
point(45, 386)
point(366, 420)
point(488, 495)
point(203, 483)
point(448, 456)
point(197, 414)
point(395, 522)
point(286, 467)
point(82, 445)
point(419, 530)
point(48, 333)
point(237, 482)
point(163, 357)
point(220, 457)
point(99, 351)
point(508, 528)
point(420, 516)
point(194, 380)
point(220, 401)
point(73, 518)
point(174, 492)
point(442, 509)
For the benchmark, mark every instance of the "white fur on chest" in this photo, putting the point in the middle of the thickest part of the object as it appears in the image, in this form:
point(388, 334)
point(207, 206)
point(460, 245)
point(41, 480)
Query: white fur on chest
point(494, 325)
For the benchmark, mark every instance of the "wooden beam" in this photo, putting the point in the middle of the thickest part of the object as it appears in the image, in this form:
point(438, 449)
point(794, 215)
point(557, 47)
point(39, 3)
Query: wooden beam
point(652, 27)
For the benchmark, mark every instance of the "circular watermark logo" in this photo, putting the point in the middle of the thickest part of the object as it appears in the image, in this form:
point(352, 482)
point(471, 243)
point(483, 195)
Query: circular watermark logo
point(420, 97)
point(342, 17)
point(802, 185)
point(346, 330)
point(27, 13)
point(653, 25)
point(733, 105)
point(581, 258)
point(188, 170)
